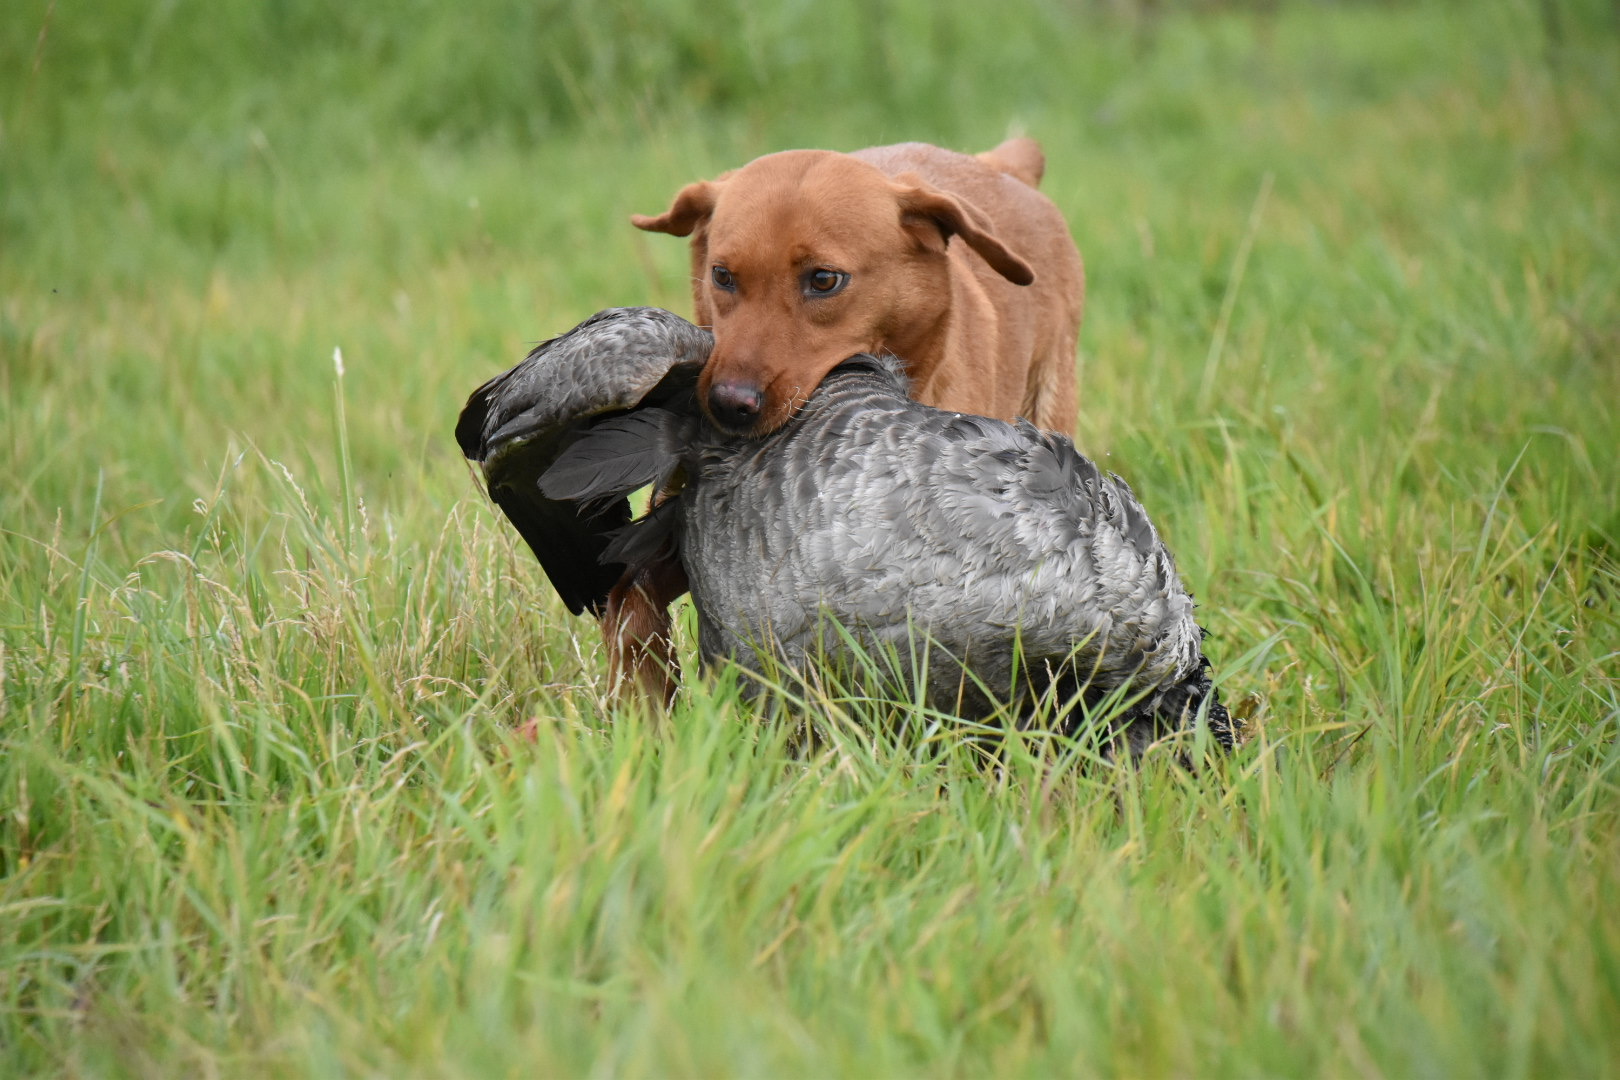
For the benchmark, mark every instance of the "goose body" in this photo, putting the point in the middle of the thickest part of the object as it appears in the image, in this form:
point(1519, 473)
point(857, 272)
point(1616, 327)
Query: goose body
point(991, 558)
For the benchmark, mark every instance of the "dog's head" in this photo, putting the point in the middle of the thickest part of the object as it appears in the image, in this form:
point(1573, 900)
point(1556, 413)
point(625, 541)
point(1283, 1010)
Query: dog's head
point(804, 258)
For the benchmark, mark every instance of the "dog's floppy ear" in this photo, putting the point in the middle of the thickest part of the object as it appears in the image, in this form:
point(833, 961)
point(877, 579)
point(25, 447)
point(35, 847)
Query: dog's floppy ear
point(921, 202)
point(693, 204)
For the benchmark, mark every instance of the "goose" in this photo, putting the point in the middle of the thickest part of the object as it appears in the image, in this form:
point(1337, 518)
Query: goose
point(998, 567)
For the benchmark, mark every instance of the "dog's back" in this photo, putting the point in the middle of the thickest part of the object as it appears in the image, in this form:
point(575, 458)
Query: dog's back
point(1040, 322)
point(1021, 157)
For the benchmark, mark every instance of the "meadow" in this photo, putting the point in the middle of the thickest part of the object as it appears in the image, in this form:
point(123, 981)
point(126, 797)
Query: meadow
point(1353, 335)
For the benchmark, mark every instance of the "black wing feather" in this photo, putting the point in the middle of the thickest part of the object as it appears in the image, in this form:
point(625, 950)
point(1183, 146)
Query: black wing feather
point(618, 455)
point(569, 543)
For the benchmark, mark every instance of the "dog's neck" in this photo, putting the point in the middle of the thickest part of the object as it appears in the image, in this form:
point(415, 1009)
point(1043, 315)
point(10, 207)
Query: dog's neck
point(920, 345)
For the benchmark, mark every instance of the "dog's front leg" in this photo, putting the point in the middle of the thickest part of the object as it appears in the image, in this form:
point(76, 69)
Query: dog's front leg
point(638, 631)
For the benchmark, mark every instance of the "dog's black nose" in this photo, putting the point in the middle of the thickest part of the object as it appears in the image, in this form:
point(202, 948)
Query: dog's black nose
point(735, 406)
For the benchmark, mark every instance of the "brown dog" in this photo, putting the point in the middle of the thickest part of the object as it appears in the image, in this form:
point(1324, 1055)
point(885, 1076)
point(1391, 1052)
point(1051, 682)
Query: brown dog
point(954, 263)
point(802, 259)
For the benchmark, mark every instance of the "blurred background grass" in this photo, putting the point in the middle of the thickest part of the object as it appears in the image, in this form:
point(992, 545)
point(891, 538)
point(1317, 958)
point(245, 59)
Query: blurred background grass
point(1353, 333)
point(207, 198)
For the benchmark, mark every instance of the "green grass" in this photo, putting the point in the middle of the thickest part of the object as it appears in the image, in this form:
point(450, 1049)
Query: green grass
point(1353, 336)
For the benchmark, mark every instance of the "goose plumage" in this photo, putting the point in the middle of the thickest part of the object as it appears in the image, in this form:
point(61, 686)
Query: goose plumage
point(991, 558)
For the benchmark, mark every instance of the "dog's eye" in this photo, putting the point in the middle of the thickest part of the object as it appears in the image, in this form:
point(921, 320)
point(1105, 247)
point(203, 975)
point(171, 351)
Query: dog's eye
point(723, 279)
point(823, 282)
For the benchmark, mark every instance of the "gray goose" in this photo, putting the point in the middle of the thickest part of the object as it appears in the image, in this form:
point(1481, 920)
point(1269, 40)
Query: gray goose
point(990, 557)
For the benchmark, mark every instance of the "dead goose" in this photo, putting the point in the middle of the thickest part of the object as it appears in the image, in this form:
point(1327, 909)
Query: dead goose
point(1009, 552)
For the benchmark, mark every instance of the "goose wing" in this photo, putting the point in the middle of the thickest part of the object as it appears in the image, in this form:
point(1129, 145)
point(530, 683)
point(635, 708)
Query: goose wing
point(518, 424)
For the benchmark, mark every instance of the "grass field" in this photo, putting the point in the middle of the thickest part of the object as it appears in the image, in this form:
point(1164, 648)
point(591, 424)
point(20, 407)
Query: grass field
point(1353, 335)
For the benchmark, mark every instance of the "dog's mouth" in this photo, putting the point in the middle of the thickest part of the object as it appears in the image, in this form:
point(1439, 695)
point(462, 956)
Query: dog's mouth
point(747, 409)
point(750, 411)
point(770, 421)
